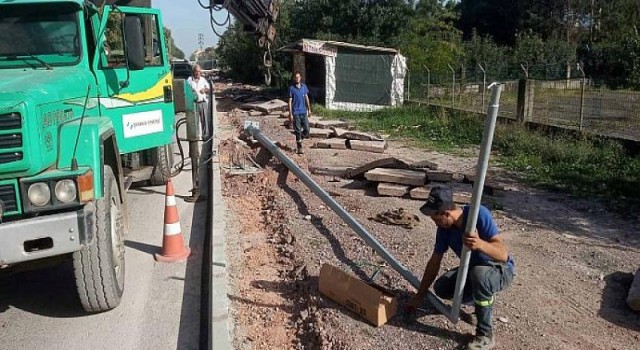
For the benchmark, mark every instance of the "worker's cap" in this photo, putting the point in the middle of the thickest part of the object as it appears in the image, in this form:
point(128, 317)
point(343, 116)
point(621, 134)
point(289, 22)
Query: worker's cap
point(440, 199)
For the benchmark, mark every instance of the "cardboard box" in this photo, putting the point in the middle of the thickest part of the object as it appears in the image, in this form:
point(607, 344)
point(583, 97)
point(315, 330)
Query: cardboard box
point(368, 301)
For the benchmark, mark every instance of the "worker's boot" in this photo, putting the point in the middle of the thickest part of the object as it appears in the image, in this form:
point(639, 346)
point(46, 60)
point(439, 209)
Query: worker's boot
point(484, 335)
point(482, 342)
point(299, 144)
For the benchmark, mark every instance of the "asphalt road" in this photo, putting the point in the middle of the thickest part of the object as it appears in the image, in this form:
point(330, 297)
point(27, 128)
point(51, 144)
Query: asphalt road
point(160, 307)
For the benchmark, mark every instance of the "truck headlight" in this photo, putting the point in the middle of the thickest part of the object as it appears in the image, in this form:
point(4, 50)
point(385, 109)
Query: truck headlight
point(66, 191)
point(39, 194)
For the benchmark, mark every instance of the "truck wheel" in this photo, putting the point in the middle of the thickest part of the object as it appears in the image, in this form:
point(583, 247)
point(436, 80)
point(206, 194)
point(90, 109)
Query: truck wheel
point(162, 161)
point(99, 267)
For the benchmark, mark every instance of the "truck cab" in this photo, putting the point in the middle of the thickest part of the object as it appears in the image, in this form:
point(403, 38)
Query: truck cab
point(85, 95)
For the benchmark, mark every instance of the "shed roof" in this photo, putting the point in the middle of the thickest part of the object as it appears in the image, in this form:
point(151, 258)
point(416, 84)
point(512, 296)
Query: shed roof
point(326, 47)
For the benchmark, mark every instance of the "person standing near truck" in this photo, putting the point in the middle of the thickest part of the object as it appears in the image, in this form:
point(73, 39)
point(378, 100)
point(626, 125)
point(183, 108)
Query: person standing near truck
point(491, 268)
point(299, 110)
point(201, 88)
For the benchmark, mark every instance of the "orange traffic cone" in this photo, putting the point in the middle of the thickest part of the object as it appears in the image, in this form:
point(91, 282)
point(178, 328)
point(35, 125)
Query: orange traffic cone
point(173, 248)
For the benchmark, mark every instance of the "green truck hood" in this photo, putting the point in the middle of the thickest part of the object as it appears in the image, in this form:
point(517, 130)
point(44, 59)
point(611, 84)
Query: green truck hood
point(44, 86)
point(43, 99)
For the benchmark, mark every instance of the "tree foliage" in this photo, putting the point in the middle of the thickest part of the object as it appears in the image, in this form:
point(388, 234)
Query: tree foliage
point(174, 50)
point(548, 36)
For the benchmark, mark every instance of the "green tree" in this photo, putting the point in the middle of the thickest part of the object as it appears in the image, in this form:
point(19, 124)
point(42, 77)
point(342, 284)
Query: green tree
point(500, 19)
point(174, 50)
point(369, 22)
point(431, 38)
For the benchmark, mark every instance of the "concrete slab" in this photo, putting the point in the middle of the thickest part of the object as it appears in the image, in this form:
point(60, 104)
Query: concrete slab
point(328, 124)
point(392, 190)
point(268, 107)
point(421, 192)
point(397, 176)
point(368, 146)
point(439, 176)
point(320, 133)
point(332, 143)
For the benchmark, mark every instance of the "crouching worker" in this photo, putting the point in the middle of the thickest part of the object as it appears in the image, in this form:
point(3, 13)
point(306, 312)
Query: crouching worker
point(491, 268)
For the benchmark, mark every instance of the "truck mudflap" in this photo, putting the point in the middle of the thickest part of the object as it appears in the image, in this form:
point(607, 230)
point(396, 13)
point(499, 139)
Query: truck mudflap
point(46, 236)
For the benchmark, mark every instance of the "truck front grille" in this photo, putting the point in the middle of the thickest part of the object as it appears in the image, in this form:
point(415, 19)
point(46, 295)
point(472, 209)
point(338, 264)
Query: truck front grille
point(8, 198)
point(11, 138)
point(10, 121)
point(11, 141)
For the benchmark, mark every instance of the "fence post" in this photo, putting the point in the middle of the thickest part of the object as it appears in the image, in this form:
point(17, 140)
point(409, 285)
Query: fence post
point(408, 84)
point(453, 86)
point(582, 88)
point(463, 79)
point(524, 108)
point(428, 82)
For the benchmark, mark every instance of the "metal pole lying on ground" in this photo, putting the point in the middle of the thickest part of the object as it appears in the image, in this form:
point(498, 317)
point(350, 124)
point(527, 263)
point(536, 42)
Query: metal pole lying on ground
point(325, 197)
point(478, 185)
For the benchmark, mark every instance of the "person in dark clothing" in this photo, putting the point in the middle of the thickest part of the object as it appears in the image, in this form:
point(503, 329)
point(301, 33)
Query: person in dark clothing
point(491, 268)
point(299, 110)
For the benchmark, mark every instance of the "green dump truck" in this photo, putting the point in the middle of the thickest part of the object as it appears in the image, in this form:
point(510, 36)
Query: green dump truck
point(85, 94)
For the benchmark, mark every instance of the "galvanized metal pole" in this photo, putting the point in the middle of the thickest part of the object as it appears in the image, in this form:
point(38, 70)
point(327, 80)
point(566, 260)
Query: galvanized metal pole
point(335, 206)
point(428, 81)
point(584, 81)
point(483, 163)
point(453, 86)
point(484, 83)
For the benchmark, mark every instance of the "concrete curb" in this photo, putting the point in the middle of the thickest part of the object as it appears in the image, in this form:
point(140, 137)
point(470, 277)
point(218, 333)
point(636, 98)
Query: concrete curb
point(219, 335)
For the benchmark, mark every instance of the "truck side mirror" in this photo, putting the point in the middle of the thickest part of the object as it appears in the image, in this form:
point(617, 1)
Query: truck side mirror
point(134, 42)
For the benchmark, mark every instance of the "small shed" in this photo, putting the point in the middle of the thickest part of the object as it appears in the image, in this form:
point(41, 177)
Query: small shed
point(349, 76)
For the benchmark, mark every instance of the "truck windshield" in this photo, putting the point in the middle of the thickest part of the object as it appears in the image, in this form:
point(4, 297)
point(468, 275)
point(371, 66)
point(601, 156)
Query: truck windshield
point(39, 35)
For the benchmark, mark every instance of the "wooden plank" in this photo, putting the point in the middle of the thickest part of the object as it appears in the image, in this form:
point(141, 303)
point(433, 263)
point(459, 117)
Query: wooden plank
point(421, 192)
point(332, 143)
point(328, 124)
point(338, 171)
point(380, 163)
point(398, 176)
point(320, 133)
point(633, 298)
point(355, 135)
point(367, 146)
point(392, 190)
point(439, 176)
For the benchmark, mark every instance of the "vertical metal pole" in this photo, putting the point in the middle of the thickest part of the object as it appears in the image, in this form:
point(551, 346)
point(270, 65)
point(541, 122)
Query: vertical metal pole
point(453, 86)
point(484, 83)
point(428, 81)
point(483, 163)
point(526, 71)
point(408, 84)
point(584, 81)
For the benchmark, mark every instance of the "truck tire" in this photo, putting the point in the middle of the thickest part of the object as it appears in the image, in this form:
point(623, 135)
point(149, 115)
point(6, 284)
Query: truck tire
point(99, 267)
point(162, 161)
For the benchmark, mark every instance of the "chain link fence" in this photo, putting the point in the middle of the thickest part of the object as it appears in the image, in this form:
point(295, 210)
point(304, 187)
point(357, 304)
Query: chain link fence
point(554, 95)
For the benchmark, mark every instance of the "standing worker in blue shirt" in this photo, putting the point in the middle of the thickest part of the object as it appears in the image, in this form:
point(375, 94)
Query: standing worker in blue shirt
point(299, 110)
point(491, 268)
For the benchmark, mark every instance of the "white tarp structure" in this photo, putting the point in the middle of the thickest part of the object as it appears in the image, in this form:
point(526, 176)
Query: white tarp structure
point(353, 77)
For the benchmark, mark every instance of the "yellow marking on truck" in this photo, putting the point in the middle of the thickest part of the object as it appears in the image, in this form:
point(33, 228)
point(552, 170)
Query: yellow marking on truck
point(156, 91)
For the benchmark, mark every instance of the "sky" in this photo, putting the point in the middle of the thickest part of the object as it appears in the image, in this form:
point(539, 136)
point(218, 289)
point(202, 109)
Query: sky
point(186, 19)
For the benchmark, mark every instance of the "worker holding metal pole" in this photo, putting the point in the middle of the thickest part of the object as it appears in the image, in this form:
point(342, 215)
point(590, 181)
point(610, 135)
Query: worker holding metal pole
point(473, 236)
